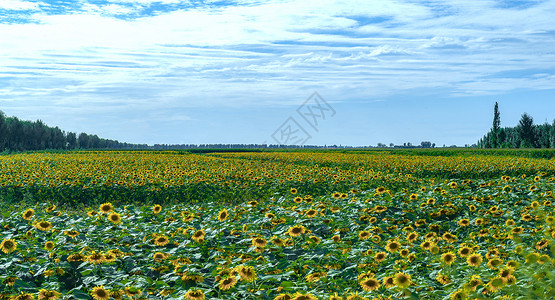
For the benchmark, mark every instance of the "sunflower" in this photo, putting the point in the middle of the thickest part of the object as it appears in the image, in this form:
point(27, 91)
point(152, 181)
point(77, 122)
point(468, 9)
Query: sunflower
point(227, 283)
point(96, 258)
point(495, 284)
point(413, 197)
point(283, 296)
point(48, 294)
point(43, 225)
point(278, 241)
point(474, 260)
point(23, 296)
point(402, 280)
point(494, 263)
point(161, 240)
point(364, 234)
point(106, 208)
point(448, 258)
point(458, 295)
point(259, 242)
point(380, 256)
point(117, 294)
point(453, 185)
point(293, 191)
point(299, 296)
point(463, 222)
point(393, 246)
point(222, 215)
point(159, 256)
point(336, 195)
point(198, 235)
point(115, 218)
point(426, 245)
point(443, 279)
point(49, 246)
point(76, 257)
point(298, 200)
point(296, 230)
point(474, 282)
point(132, 291)
point(315, 276)
point(246, 273)
point(388, 282)
point(28, 214)
point(51, 208)
point(370, 284)
point(311, 213)
point(380, 190)
point(507, 189)
point(71, 233)
point(99, 293)
point(8, 246)
point(314, 239)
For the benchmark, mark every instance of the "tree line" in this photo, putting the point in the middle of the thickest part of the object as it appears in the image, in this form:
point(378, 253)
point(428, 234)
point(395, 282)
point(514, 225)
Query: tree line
point(525, 135)
point(20, 135)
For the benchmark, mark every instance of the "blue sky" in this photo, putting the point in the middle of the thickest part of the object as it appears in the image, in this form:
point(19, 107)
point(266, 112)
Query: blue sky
point(173, 71)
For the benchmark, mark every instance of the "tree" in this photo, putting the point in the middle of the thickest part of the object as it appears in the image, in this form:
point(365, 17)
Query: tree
point(525, 130)
point(495, 128)
point(426, 144)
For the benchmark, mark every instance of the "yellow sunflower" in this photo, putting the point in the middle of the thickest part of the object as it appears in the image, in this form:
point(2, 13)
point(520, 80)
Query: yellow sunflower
point(198, 236)
point(49, 245)
point(246, 273)
point(227, 283)
point(161, 240)
point(157, 208)
point(393, 246)
point(48, 294)
point(474, 260)
point(402, 280)
point(448, 258)
point(100, 293)
point(364, 234)
point(259, 242)
point(370, 284)
point(106, 208)
point(8, 246)
point(194, 295)
point(96, 258)
point(28, 214)
point(296, 230)
point(43, 225)
point(115, 218)
point(222, 215)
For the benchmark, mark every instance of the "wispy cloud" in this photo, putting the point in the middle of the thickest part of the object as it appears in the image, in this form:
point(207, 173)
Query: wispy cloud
point(267, 53)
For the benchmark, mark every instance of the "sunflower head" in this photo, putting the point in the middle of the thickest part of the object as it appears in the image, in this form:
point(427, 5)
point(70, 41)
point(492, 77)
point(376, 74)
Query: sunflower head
point(227, 283)
point(157, 208)
point(106, 208)
point(48, 294)
point(28, 214)
point(100, 293)
point(370, 284)
point(49, 245)
point(222, 215)
point(402, 280)
point(161, 240)
point(115, 218)
point(8, 246)
point(43, 225)
point(194, 295)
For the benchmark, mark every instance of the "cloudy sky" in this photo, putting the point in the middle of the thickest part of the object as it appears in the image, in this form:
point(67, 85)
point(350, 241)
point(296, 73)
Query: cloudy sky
point(245, 71)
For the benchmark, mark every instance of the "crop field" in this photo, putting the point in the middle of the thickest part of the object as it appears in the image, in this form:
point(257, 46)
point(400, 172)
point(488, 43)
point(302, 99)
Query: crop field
point(459, 224)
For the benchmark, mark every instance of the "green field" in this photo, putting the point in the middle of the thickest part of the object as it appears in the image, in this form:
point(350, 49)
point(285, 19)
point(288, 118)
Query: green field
point(399, 224)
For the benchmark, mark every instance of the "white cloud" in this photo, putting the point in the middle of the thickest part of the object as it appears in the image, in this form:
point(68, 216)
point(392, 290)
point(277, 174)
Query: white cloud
point(18, 5)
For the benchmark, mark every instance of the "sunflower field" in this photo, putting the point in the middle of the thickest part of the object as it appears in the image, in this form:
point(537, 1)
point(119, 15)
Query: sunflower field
point(276, 225)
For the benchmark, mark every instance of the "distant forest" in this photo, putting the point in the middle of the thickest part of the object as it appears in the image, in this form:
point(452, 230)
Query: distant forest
point(18, 135)
point(525, 135)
